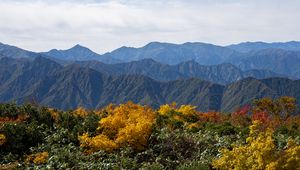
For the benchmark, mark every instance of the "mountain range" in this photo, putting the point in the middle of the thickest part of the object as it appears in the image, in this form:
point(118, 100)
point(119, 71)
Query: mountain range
point(52, 84)
point(280, 58)
point(212, 77)
point(222, 73)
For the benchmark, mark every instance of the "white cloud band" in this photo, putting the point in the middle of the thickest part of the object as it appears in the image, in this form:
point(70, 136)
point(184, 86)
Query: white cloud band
point(105, 25)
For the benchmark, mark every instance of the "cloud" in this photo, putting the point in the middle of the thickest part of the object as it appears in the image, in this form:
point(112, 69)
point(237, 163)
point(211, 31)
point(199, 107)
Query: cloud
point(104, 25)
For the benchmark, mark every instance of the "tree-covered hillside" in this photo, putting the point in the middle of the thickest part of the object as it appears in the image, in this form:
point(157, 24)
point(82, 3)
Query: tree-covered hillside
point(71, 86)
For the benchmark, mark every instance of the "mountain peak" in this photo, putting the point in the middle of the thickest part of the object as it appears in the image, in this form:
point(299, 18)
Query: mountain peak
point(156, 44)
point(78, 46)
point(76, 53)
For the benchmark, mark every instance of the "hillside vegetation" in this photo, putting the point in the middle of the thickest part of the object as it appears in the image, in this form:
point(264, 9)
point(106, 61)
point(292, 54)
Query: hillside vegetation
point(263, 135)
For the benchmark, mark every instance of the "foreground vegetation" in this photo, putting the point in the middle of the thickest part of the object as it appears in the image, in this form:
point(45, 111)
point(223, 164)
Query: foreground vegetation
point(264, 135)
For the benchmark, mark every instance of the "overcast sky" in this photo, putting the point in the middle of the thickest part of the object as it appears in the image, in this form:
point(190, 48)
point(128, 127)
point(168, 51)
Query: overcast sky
point(104, 25)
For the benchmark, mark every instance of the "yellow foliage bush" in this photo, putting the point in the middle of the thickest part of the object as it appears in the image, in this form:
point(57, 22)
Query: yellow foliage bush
point(193, 126)
point(38, 158)
point(104, 111)
point(290, 159)
point(82, 112)
point(166, 109)
point(99, 142)
point(126, 124)
point(260, 152)
point(54, 113)
point(187, 110)
point(185, 115)
point(2, 139)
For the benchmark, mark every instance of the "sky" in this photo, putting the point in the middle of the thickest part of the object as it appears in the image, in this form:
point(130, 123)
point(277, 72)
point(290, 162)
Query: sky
point(104, 25)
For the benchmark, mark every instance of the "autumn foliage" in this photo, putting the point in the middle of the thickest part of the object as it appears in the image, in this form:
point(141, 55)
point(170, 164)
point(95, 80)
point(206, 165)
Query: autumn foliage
point(260, 152)
point(2, 139)
point(126, 125)
point(38, 158)
point(264, 134)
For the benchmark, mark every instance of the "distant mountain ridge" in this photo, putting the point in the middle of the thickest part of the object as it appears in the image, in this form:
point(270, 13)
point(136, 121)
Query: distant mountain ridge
point(222, 73)
point(280, 58)
point(207, 54)
point(15, 52)
point(71, 86)
point(256, 46)
point(276, 60)
point(78, 53)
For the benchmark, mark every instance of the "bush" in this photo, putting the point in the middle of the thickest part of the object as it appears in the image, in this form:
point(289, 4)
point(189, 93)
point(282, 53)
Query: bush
point(20, 137)
point(126, 125)
point(260, 152)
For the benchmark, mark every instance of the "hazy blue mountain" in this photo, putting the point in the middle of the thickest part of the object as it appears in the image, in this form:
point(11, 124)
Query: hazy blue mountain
point(15, 52)
point(276, 60)
point(78, 53)
point(51, 84)
point(255, 46)
point(223, 73)
point(168, 53)
point(10, 67)
point(244, 91)
point(23, 79)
